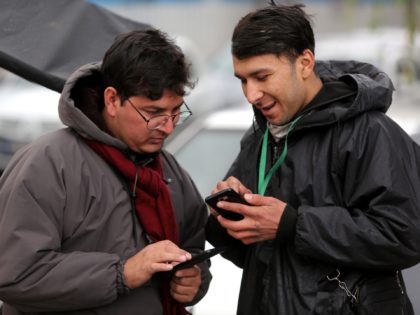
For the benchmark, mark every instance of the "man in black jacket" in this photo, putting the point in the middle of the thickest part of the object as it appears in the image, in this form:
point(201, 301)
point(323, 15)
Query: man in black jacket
point(332, 182)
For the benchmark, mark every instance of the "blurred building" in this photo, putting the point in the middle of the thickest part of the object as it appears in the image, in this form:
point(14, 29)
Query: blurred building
point(209, 23)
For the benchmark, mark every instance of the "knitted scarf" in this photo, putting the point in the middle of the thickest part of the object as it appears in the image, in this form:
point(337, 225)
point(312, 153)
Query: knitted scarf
point(153, 206)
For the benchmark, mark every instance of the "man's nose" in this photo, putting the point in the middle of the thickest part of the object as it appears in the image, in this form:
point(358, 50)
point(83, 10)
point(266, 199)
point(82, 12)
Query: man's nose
point(168, 126)
point(252, 93)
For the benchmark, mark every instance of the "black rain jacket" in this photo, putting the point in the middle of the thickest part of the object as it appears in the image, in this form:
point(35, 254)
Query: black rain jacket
point(351, 182)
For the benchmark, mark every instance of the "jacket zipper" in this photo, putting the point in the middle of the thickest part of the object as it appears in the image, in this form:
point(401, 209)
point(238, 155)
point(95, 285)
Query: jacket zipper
point(276, 152)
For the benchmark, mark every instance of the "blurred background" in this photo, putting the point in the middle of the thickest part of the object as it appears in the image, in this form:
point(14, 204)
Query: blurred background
point(382, 32)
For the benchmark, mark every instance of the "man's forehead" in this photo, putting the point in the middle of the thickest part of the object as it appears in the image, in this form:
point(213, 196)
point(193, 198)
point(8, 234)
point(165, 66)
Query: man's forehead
point(255, 64)
point(165, 102)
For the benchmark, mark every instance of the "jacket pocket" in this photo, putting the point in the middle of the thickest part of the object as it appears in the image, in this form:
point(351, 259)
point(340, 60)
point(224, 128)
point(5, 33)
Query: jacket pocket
point(380, 294)
point(360, 293)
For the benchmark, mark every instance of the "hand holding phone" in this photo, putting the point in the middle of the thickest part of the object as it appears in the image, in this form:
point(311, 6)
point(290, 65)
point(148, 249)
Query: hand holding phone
point(199, 258)
point(229, 195)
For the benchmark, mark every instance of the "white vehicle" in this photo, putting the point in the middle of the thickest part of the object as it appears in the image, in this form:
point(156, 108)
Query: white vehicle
point(27, 111)
point(387, 48)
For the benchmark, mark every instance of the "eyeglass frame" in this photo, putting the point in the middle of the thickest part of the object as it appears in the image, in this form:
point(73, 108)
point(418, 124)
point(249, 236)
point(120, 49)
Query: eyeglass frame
point(173, 116)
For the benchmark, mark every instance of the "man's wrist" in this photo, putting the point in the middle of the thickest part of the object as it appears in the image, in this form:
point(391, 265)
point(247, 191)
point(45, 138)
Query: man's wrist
point(122, 288)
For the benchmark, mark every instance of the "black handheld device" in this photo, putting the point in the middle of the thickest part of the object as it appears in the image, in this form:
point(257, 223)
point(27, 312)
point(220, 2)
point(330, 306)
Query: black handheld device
point(199, 258)
point(229, 195)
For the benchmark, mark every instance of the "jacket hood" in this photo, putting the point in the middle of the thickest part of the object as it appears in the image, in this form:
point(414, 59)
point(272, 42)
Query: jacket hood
point(371, 90)
point(73, 114)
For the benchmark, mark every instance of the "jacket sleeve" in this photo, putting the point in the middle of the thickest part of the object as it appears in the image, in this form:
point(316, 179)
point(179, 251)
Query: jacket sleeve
point(377, 224)
point(36, 274)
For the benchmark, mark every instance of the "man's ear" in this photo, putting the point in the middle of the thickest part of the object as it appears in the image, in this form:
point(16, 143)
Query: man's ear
point(112, 101)
point(306, 63)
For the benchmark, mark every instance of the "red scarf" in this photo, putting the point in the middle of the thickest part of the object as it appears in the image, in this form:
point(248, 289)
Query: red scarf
point(153, 205)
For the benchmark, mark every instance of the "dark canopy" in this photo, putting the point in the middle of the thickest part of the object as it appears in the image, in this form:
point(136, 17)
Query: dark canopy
point(44, 41)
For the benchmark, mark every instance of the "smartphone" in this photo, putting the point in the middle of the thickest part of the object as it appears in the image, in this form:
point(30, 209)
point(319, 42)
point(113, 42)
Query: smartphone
point(229, 195)
point(199, 258)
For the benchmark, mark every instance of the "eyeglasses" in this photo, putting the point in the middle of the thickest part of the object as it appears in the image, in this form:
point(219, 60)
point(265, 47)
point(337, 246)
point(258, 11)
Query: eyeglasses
point(158, 121)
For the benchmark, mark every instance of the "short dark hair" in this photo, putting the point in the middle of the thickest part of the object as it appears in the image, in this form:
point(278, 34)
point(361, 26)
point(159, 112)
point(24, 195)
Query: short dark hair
point(276, 29)
point(146, 63)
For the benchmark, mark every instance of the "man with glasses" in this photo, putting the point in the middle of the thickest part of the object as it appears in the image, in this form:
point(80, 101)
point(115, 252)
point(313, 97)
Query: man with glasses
point(95, 216)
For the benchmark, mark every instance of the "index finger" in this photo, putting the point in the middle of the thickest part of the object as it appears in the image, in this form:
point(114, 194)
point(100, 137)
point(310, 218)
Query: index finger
point(220, 186)
point(235, 184)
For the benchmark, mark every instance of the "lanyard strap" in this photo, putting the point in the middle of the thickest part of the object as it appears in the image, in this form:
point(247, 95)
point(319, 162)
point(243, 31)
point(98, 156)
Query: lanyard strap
point(262, 179)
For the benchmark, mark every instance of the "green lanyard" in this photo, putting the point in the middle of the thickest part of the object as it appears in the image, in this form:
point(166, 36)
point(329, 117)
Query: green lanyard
point(262, 179)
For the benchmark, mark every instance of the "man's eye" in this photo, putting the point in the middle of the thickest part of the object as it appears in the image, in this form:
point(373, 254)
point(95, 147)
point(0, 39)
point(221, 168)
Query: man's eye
point(262, 78)
point(152, 112)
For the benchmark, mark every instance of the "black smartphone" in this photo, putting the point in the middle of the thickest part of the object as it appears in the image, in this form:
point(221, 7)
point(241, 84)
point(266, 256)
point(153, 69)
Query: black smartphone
point(229, 195)
point(199, 258)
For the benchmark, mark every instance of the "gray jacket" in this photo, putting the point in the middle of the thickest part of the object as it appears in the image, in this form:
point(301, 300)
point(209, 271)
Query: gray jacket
point(67, 224)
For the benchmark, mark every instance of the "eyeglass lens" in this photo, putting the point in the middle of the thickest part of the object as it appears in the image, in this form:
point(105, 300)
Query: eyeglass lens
point(158, 121)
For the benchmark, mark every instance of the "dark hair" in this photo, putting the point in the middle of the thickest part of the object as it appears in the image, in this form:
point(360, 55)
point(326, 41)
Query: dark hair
point(145, 63)
point(276, 29)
